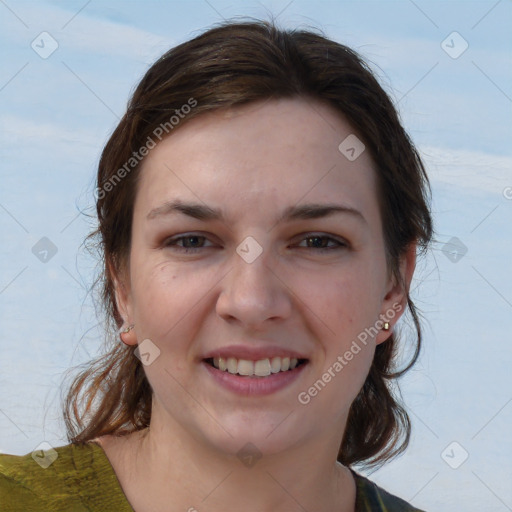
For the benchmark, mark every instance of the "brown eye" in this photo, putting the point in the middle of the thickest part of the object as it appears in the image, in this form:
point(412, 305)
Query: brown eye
point(322, 242)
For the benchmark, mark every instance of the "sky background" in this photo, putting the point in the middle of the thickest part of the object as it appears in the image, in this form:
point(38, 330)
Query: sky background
point(448, 67)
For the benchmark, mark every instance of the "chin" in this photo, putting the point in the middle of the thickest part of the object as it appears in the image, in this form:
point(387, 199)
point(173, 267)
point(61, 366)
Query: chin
point(266, 435)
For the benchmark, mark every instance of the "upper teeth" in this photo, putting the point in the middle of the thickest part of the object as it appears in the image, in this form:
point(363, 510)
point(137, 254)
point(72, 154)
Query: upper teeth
point(260, 368)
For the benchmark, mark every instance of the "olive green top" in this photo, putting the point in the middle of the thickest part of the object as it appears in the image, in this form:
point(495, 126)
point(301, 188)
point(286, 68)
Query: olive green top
point(80, 478)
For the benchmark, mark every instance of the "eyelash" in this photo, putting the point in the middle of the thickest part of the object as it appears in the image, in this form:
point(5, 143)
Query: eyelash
point(172, 242)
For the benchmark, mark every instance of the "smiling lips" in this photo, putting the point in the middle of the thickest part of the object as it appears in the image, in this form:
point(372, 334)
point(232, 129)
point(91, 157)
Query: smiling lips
point(259, 368)
point(254, 369)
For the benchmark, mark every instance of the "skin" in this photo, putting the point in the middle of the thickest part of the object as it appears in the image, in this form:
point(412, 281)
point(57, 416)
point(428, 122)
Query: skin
point(252, 162)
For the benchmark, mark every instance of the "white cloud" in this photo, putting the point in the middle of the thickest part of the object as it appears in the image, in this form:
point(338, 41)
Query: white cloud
point(85, 33)
point(98, 36)
point(22, 131)
point(479, 171)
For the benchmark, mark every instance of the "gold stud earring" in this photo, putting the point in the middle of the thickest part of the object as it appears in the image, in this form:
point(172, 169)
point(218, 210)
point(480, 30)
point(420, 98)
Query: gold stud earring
point(386, 326)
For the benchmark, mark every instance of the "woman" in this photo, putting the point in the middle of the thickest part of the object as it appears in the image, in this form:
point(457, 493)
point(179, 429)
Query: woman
point(260, 211)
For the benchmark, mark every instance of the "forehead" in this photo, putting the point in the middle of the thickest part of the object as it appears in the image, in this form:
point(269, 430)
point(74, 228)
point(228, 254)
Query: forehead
point(278, 151)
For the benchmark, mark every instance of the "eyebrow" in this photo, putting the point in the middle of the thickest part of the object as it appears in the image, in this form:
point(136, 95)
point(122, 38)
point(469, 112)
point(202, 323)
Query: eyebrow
point(299, 212)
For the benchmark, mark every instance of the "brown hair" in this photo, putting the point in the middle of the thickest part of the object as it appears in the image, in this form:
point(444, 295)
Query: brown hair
point(233, 64)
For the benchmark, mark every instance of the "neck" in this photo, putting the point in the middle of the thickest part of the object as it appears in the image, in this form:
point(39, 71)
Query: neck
point(167, 468)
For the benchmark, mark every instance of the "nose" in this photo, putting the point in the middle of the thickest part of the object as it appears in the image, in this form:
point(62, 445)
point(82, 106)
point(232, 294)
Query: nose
point(253, 294)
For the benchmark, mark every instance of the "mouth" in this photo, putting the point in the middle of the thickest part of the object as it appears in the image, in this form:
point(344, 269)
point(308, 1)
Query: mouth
point(260, 369)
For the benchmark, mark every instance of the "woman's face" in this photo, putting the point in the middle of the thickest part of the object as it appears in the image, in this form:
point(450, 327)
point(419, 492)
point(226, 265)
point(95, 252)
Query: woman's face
point(256, 239)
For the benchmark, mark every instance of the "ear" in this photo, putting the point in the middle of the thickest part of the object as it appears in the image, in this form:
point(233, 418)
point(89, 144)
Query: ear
point(122, 293)
point(395, 299)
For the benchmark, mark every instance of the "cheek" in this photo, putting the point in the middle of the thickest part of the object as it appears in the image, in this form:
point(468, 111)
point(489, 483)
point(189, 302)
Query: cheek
point(346, 307)
point(164, 297)
point(345, 304)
